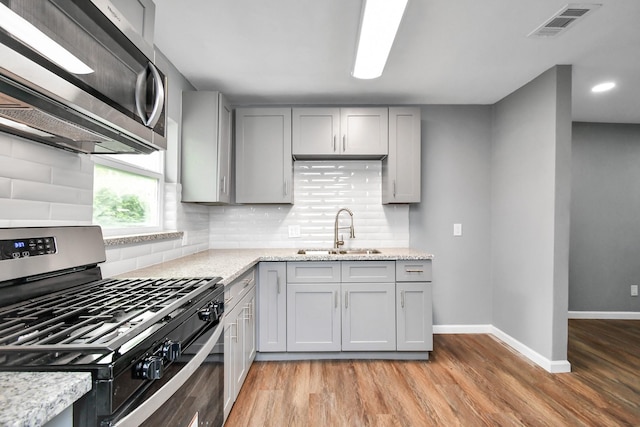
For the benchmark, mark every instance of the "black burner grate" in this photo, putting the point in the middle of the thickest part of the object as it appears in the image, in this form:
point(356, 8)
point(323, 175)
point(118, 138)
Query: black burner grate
point(99, 317)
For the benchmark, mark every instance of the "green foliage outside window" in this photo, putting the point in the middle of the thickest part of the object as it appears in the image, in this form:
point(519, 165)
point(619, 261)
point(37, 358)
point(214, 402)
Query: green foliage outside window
point(123, 199)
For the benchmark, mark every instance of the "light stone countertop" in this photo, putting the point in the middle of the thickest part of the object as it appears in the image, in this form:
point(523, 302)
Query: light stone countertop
point(33, 398)
point(232, 263)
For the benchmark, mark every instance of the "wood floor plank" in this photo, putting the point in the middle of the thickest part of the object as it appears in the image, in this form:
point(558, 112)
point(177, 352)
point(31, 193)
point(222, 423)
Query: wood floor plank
point(470, 380)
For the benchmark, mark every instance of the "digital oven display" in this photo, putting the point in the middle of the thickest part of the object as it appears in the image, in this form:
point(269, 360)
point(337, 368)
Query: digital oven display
point(23, 248)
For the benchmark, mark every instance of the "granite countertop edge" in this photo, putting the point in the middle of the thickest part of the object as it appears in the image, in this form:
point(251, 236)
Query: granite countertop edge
point(229, 264)
point(34, 398)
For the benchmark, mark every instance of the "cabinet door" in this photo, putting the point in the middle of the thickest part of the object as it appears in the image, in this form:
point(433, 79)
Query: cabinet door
point(315, 131)
point(249, 330)
point(369, 317)
point(238, 344)
point(401, 170)
point(205, 147)
point(365, 131)
point(415, 323)
point(225, 127)
point(313, 317)
point(229, 373)
point(264, 166)
point(272, 307)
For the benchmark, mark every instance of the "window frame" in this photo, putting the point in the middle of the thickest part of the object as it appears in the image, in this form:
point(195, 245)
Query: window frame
point(131, 168)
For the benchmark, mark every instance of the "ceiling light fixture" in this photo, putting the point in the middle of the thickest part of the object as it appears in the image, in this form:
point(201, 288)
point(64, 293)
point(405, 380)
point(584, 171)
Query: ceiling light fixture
point(378, 27)
point(603, 87)
point(39, 41)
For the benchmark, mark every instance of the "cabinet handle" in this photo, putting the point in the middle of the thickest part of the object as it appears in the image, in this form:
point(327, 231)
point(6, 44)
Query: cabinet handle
point(334, 142)
point(346, 299)
point(335, 298)
point(224, 184)
point(344, 143)
point(234, 337)
point(414, 271)
point(286, 187)
point(278, 283)
point(402, 299)
point(246, 283)
point(394, 188)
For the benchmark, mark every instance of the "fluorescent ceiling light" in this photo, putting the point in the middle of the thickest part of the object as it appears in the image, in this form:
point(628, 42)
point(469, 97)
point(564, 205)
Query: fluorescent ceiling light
point(23, 127)
point(39, 41)
point(603, 87)
point(380, 22)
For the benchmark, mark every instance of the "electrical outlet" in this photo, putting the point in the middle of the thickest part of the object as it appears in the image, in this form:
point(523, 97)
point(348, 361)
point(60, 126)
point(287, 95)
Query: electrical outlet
point(294, 231)
point(634, 290)
point(457, 230)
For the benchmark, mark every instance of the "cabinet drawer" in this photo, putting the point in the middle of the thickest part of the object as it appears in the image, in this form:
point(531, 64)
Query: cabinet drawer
point(368, 271)
point(234, 291)
point(313, 272)
point(413, 271)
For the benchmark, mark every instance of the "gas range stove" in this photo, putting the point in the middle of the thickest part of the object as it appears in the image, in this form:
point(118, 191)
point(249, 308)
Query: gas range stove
point(58, 314)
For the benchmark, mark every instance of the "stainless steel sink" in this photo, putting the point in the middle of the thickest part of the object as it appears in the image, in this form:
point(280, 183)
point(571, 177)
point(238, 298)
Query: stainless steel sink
point(338, 251)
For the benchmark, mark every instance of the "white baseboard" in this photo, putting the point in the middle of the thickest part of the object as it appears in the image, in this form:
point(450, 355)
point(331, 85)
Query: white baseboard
point(625, 315)
point(552, 366)
point(461, 329)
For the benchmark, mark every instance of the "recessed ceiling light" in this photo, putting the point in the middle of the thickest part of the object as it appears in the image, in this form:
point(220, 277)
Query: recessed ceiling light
point(603, 87)
point(380, 22)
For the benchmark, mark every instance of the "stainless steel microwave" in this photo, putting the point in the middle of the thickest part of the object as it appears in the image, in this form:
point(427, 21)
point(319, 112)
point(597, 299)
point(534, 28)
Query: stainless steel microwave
point(75, 75)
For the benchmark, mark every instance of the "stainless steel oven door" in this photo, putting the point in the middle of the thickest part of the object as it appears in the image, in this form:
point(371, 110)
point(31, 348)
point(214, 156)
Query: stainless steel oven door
point(194, 395)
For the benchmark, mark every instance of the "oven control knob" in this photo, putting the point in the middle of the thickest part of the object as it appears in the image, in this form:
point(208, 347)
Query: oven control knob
point(207, 313)
point(150, 368)
point(171, 350)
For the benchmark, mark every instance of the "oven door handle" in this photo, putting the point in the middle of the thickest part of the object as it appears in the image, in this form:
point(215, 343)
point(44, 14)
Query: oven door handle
point(151, 405)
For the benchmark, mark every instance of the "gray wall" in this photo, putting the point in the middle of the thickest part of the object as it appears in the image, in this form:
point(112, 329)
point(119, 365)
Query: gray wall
point(456, 150)
point(605, 217)
point(530, 176)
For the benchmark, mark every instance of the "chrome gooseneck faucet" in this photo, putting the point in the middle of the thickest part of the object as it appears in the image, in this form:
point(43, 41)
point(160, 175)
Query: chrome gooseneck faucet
point(339, 242)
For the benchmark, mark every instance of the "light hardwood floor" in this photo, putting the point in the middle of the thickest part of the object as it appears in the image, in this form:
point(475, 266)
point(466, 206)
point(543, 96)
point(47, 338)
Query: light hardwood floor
point(471, 380)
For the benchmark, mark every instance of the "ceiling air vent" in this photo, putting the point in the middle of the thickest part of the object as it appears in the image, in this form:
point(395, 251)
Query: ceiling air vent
point(563, 20)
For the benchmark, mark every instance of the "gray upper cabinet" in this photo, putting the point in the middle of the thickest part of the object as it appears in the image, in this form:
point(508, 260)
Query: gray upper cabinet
point(401, 168)
point(264, 166)
point(340, 132)
point(206, 148)
point(141, 16)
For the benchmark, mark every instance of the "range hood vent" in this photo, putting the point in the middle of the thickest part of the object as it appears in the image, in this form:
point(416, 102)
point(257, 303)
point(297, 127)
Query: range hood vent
point(563, 20)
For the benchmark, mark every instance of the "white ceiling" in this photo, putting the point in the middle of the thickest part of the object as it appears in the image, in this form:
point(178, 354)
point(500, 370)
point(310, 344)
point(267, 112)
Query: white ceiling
point(446, 52)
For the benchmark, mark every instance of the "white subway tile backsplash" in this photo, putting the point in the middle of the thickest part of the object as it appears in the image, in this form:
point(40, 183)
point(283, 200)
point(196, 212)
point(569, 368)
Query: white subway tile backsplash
point(41, 153)
point(24, 209)
point(69, 212)
point(321, 188)
point(37, 191)
point(24, 170)
point(72, 178)
point(5, 188)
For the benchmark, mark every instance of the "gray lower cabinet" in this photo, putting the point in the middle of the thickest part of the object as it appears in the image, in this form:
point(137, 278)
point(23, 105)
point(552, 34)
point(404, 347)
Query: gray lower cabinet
point(341, 306)
point(239, 335)
point(313, 317)
point(272, 307)
point(264, 166)
point(368, 320)
point(414, 306)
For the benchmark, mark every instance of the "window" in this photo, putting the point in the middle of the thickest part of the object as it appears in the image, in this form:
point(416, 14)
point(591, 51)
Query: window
point(128, 193)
